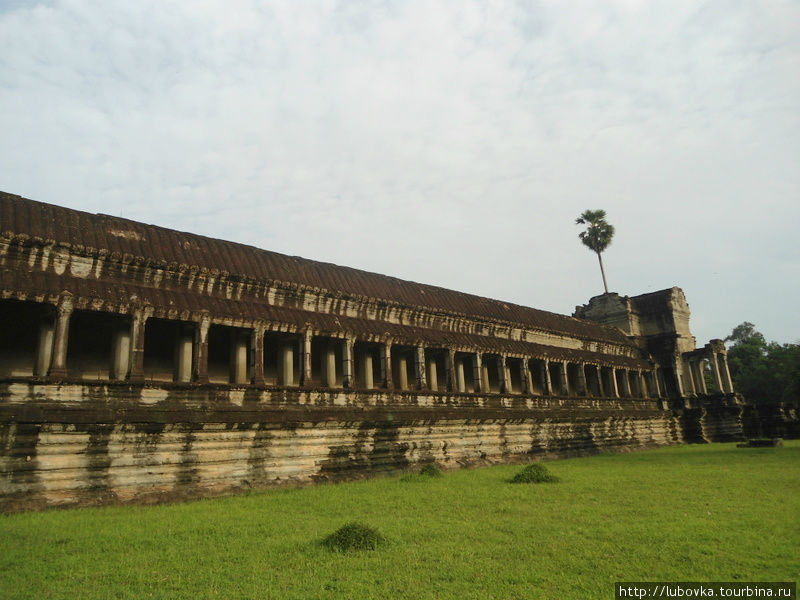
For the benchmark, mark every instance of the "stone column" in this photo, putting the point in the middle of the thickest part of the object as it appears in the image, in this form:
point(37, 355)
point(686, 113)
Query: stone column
point(184, 350)
point(477, 374)
point(367, 369)
point(564, 379)
point(500, 368)
point(44, 350)
point(138, 320)
point(239, 343)
point(386, 365)
point(633, 384)
point(677, 369)
point(546, 378)
point(419, 368)
point(614, 385)
point(348, 379)
point(433, 374)
point(182, 354)
point(201, 350)
point(690, 375)
point(726, 374)
point(461, 381)
point(583, 388)
point(329, 365)
point(120, 352)
point(257, 354)
point(287, 364)
point(527, 378)
point(715, 371)
point(643, 385)
point(450, 366)
point(701, 388)
point(601, 388)
point(626, 384)
point(305, 376)
point(402, 373)
point(661, 386)
point(64, 312)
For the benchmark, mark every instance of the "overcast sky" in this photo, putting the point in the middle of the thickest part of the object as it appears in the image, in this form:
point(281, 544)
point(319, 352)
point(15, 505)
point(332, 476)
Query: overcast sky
point(451, 143)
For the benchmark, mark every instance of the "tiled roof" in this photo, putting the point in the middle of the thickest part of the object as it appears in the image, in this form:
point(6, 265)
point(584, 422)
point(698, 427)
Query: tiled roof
point(104, 232)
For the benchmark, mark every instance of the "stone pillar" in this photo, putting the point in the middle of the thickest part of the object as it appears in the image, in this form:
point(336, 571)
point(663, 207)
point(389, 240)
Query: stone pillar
point(201, 350)
point(643, 385)
point(419, 368)
point(661, 385)
point(138, 320)
point(120, 353)
point(450, 366)
point(184, 349)
point(386, 365)
point(548, 381)
point(715, 371)
point(564, 379)
point(433, 374)
point(702, 388)
point(726, 374)
point(286, 365)
point(44, 350)
point(305, 374)
point(257, 355)
point(583, 388)
point(329, 365)
point(633, 384)
point(348, 379)
point(527, 378)
point(477, 374)
point(64, 312)
point(367, 369)
point(676, 367)
point(502, 375)
point(601, 388)
point(626, 388)
point(461, 380)
point(614, 386)
point(402, 373)
point(693, 379)
point(238, 362)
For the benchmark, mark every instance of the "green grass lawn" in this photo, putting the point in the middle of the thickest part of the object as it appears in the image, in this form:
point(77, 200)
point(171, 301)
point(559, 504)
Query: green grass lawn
point(704, 512)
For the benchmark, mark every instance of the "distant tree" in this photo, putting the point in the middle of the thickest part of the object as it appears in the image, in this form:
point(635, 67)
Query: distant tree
point(762, 371)
point(597, 236)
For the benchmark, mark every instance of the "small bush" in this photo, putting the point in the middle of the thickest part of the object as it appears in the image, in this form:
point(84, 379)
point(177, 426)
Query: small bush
point(534, 473)
point(353, 536)
point(431, 470)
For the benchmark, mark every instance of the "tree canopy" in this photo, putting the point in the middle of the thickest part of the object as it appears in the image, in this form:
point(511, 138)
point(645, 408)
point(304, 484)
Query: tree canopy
point(597, 236)
point(764, 372)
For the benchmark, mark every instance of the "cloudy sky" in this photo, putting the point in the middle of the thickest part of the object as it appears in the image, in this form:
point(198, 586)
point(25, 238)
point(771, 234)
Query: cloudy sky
point(451, 143)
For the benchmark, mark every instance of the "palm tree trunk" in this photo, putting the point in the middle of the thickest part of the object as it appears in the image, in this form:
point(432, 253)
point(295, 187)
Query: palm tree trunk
point(602, 271)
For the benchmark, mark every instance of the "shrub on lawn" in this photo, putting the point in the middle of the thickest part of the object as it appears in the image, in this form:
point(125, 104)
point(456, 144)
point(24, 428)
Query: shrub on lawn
point(431, 470)
point(353, 536)
point(534, 473)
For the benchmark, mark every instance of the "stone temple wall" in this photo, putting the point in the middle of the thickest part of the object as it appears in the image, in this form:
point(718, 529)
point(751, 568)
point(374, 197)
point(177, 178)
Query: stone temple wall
point(142, 364)
point(76, 445)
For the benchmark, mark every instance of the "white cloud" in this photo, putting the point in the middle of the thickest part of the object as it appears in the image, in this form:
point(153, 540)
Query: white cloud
point(447, 142)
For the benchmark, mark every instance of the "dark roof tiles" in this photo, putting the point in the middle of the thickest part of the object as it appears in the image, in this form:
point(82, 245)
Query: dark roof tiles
point(23, 216)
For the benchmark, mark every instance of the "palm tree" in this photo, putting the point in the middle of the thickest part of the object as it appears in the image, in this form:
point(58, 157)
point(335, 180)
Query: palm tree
point(597, 236)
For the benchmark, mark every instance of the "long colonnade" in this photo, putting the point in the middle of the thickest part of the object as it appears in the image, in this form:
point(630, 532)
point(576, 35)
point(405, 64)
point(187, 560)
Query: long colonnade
point(138, 346)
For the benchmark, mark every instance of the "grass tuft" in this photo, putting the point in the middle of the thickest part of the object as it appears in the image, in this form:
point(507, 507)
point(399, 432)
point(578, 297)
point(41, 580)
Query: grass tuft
point(431, 470)
point(534, 473)
point(353, 536)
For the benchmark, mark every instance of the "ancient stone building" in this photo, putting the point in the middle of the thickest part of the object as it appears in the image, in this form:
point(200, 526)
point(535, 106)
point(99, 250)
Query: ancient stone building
point(139, 363)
